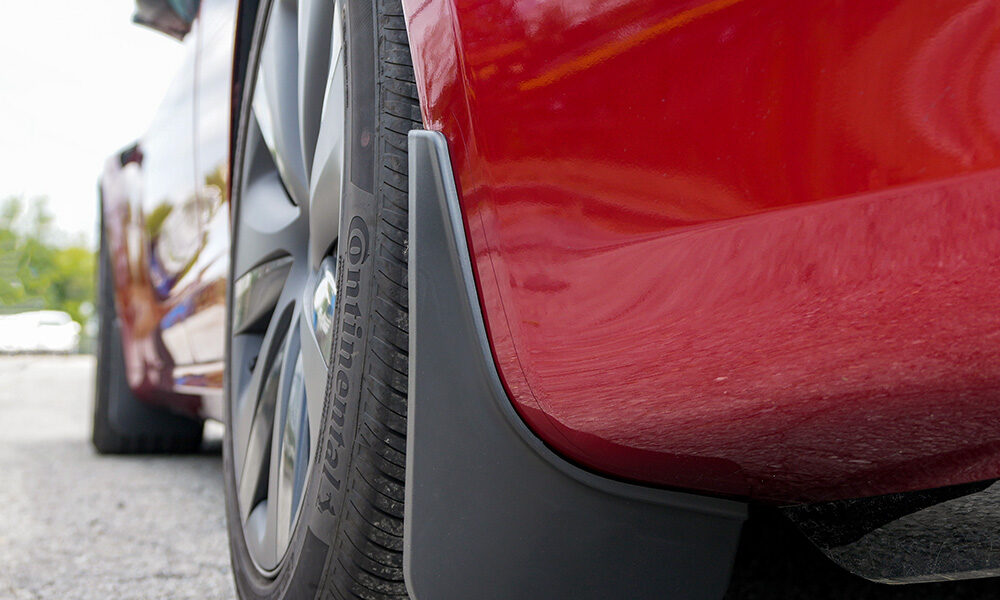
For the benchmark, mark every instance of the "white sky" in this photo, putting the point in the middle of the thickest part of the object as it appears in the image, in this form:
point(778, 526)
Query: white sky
point(78, 81)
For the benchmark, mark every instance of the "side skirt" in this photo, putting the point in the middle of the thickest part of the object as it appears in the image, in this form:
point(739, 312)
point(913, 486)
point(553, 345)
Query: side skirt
point(912, 537)
point(491, 512)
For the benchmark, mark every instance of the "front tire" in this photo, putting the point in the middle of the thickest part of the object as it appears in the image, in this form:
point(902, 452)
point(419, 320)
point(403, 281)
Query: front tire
point(345, 524)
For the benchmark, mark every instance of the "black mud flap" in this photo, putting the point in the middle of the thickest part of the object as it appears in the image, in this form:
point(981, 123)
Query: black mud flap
point(491, 512)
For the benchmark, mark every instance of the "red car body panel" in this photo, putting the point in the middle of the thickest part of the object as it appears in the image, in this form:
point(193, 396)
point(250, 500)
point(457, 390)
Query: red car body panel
point(745, 247)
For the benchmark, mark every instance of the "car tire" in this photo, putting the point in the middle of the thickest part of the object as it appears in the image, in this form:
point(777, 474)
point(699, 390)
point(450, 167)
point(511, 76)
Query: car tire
point(122, 424)
point(347, 541)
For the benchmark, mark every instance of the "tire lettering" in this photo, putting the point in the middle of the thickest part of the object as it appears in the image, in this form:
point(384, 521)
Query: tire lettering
point(350, 336)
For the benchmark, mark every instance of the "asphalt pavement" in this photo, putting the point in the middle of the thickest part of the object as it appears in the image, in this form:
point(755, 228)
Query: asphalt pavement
point(75, 525)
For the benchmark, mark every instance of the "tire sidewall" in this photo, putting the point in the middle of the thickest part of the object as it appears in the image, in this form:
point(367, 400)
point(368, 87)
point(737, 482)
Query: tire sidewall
point(301, 571)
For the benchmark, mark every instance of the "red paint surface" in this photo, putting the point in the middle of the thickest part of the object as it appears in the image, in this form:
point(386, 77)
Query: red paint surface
point(747, 247)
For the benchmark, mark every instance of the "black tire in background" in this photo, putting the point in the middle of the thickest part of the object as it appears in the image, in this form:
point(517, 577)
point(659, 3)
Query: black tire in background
point(347, 541)
point(122, 424)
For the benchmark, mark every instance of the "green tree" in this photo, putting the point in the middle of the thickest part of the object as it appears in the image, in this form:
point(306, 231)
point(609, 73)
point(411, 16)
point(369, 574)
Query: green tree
point(36, 272)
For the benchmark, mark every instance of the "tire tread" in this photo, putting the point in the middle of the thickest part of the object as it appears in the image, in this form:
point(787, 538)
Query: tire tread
point(370, 566)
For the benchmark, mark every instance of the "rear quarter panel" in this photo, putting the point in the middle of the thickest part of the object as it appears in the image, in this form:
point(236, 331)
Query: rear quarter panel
point(748, 247)
point(151, 220)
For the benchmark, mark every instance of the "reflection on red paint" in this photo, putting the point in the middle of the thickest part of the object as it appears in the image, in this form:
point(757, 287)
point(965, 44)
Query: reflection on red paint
point(748, 247)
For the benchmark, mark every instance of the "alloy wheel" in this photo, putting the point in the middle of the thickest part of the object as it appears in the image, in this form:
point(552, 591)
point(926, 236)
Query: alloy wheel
point(287, 195)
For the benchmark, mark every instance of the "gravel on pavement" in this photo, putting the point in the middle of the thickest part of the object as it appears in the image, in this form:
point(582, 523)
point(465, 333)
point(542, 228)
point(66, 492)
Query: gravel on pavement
point(75, 525)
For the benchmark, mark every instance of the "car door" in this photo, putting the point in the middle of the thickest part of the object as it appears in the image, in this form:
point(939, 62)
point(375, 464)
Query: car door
point(168, 217)
point(205, 327)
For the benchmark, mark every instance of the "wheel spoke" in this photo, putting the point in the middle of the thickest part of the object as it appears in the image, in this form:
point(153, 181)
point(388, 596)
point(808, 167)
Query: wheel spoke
point(261, 355)
point(256, 293)
point(275, 101)
point(288, 441)
point(279, 493)
point(262, 547)
point(315, 23)
point(253, 480)
point(314, 368)
point(270, 555)
point(257, 417)
point(269, 225)
point(326, 184)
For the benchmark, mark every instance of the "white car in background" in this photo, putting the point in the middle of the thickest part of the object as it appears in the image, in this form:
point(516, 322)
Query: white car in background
point(39, 331)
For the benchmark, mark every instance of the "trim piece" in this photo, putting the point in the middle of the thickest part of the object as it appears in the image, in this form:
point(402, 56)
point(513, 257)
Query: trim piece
point(491, 512)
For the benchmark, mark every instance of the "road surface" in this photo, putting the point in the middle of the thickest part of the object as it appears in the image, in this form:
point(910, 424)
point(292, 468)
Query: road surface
point(77, 525)
point(74, 525)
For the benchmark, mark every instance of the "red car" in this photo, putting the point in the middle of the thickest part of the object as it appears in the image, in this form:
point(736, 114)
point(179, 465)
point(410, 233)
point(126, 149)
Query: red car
point(533, 298)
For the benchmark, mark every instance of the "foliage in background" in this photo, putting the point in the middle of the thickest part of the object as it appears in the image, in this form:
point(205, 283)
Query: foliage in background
point(37, 272)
